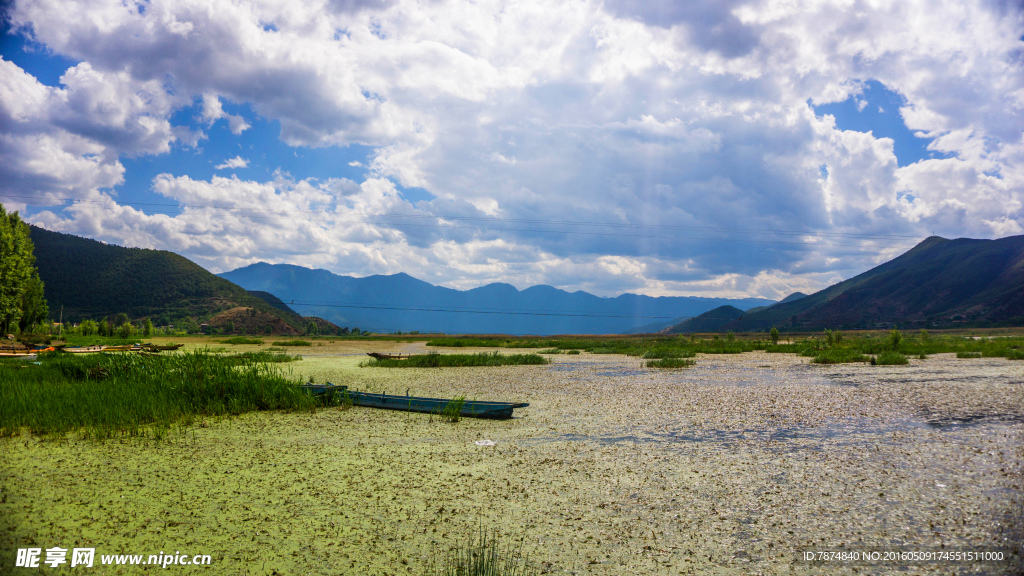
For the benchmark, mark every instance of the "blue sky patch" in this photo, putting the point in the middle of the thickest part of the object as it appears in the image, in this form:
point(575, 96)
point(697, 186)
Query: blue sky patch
point(877, 110)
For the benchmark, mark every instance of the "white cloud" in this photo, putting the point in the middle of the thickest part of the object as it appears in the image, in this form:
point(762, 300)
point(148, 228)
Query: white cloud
point(659, 119)
point(236, 162)
point(213, 111)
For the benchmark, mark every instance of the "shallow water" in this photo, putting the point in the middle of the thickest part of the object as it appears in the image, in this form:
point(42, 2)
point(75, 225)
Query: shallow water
point(732, 466)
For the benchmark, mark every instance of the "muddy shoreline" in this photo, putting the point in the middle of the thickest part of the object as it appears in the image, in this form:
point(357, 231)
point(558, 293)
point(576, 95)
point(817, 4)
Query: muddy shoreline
point(734, 466)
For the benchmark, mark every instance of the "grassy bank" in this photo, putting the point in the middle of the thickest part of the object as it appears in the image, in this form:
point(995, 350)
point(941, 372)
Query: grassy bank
point(827, 348)
point(104, 396)
point(458, 360)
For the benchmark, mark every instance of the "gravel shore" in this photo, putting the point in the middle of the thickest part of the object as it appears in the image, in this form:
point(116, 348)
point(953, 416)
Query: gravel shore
point(738, 465)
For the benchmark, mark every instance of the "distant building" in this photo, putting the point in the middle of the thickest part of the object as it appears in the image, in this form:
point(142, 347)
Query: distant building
point(203, 327)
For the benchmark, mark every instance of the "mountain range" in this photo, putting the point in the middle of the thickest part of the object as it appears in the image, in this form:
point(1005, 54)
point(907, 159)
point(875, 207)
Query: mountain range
point(89, 280)
point(939, 283)
point(401, 302)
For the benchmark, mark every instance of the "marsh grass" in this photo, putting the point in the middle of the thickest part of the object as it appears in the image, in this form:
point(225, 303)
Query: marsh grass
point(837, 356)
point(968, 354)
point(293, 343)
point(671, 363)
point(261, 356)
point(242, 340)
point(851, 344)
point(458, 360)
point(483, 555)
point(452, 411)
point(110, 395)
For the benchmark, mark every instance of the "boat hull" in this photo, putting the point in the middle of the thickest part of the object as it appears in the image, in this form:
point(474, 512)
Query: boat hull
point(470, 408)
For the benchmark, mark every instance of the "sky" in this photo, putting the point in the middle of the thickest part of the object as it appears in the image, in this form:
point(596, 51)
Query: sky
point(703, 148)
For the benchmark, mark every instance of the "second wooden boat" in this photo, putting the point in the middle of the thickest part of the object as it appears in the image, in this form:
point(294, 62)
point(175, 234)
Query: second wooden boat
point(469, 408)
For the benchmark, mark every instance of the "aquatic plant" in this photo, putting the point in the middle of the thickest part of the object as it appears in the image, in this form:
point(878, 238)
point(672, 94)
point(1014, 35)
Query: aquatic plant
point(458, 360)
point(452, 411)
point(109, 395)
point(671, 363)
point(483, 555)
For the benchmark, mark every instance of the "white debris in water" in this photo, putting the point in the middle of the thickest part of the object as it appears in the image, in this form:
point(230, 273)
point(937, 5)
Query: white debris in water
point(485, 442)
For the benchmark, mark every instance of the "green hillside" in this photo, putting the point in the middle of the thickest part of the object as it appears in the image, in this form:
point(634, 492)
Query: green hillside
point(710, 321)
point(93, 280)
point(938, 283)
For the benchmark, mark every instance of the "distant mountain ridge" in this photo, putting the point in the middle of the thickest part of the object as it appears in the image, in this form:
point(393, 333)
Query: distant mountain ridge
point(938, 283)
point(401, 302)
point(94, 280)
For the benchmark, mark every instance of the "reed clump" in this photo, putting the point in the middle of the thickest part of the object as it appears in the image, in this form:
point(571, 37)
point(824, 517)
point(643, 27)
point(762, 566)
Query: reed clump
point(483, 555)
point(109, 395)
point(671, 363)
point(458, 360)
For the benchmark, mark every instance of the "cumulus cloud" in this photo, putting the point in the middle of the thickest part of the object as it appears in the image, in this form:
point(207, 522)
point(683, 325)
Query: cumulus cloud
point(236, 162)
point(657, 147)
point(213, 110)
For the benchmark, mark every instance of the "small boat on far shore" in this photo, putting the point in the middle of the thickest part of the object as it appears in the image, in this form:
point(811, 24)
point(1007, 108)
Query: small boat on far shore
point(383, 356)
point(468, 408)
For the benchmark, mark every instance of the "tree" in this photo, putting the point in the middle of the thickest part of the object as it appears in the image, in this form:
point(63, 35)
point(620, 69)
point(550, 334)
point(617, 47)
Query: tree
point(774, 335)
point(147, 328)
point(33, 304)
point(229, 326)
point(104, 328)
point(126, 330)
point(17, 274)
point(268, 329)
point(312, 329)
point(120, 318)
point(88, 328)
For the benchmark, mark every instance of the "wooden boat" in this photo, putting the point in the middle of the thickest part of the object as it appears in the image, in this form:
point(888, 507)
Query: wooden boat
point(18, 356)
point(470, 408)
point(84, 350)
point(159, 347)
point(382, 356)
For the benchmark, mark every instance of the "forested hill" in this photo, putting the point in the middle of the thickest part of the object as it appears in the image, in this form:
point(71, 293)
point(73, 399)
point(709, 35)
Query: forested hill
point(93, 280)
point(938, 283)
point(401, 302)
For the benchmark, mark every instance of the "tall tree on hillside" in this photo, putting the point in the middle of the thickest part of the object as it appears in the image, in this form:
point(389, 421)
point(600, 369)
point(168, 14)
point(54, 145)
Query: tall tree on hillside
point(18, 275)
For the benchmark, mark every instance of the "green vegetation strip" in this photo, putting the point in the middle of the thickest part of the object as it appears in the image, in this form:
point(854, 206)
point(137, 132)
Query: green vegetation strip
point(109, 395)
point(293, 343)
point(459, 360)
point(242, 340)
point(830, 347)
point(671, 363)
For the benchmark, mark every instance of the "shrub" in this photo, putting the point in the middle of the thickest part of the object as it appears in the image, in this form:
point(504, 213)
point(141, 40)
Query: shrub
point(671, 363)
point(891, 359)
point(895, 337)
point(1012, 354)
point(774, 335)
